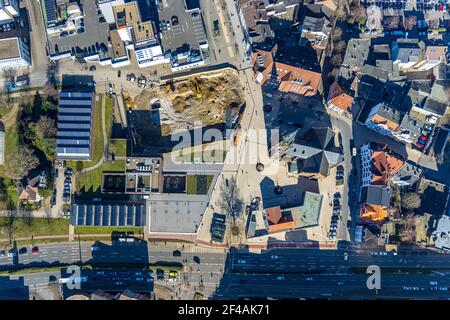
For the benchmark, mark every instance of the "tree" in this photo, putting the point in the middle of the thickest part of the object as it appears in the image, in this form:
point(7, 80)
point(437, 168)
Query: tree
point(42, 135)
point(19, 163)
point(8, 224)
point(79, 166)
point(230, 200)
point(408, 233)
point(411, 200)
point(336, 60)
point(339, 46)
point(48, 106)
point(337, 34)
point(50, 87)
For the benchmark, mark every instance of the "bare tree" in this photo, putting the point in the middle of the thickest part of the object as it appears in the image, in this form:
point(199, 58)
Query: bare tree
point(51, 86)
point(408, 233)
point(411, 200)
point(8, 224)
point(46, 127)
point(230, 200)
point(339, 46)
point(336, 60)
point(19, 163)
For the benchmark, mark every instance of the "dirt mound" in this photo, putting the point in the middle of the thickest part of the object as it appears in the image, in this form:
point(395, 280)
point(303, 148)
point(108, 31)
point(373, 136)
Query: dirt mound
point(212, 98)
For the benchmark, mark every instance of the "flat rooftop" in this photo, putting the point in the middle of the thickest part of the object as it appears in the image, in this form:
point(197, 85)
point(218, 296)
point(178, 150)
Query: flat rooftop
point(176, 213)
point(9, 48)
point(128, 14)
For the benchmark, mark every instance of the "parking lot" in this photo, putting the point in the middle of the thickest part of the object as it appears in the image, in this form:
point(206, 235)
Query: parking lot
point(94, 37)
point(179, 29)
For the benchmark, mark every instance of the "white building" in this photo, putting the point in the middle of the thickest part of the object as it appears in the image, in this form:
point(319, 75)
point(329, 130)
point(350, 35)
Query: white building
point(9, 9)
point(150, 55)
point(14, 53)
point(106, 7)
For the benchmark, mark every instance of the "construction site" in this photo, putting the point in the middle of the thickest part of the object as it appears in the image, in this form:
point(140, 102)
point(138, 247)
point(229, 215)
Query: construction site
point(206, 100)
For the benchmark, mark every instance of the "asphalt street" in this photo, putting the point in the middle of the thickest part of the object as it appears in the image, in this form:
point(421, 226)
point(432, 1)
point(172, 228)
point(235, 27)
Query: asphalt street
point(325, 275)
point(277, 273)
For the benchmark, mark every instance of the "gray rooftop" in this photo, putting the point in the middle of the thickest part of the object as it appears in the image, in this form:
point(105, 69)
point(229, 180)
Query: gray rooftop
point(378, 195)
point(176, 213)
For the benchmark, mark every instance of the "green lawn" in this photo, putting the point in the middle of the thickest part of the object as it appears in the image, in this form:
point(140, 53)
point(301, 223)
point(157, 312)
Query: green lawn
point(91, 181)
point(205, 154)
point(107, 230)
point(11, 146)
point(4, 111)
point(97, 140)
point(38, 227)
point(118, 147)
point(108, 115)
point(198, 184)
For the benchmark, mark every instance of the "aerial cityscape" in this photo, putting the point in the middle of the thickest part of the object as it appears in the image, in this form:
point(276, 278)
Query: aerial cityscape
point(224, 150)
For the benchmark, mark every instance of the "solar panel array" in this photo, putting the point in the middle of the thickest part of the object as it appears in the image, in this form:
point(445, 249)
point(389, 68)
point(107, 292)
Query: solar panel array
point(107, 215)
point(50, 11)
point(74, 125)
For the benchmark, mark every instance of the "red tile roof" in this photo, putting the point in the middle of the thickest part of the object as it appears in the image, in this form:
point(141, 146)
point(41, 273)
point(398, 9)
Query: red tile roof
point(297, 80)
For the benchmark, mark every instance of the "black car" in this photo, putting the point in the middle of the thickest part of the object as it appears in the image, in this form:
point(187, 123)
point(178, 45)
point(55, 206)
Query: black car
point(196, 259)
point(177, 253)
point(337, 195)
point(23, 250)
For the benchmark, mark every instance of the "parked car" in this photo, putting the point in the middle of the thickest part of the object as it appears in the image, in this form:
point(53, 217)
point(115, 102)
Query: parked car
point(12, 253)
point(2, 253)
point(35, 250)
point(22, 250)
point(176, 253)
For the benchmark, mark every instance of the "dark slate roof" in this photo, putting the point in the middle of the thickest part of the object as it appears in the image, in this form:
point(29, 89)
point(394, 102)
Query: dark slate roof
point(378, 195)
point(434, 106)
point(390, 114)
point(320, 138)
point(316, 151)
point(408, 173)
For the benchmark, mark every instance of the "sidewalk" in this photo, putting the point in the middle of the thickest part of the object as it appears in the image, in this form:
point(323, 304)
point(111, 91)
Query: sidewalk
point(191, 239)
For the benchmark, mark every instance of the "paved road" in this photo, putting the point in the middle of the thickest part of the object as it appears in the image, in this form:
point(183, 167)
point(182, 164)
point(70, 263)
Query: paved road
point(343, 126)
point(325, 274)
point(208, 272)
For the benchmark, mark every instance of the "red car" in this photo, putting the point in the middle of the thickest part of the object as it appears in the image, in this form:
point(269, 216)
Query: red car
point(35, 250)
point(420, 145)
point(424, 138)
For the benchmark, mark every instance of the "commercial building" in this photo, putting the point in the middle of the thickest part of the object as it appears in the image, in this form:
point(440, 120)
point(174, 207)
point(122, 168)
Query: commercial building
point(14, 52)
point(284, 77)
point(9, 9)
point(108, 214)
point(278, 219)
point(312, 154)
point(75, 125)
